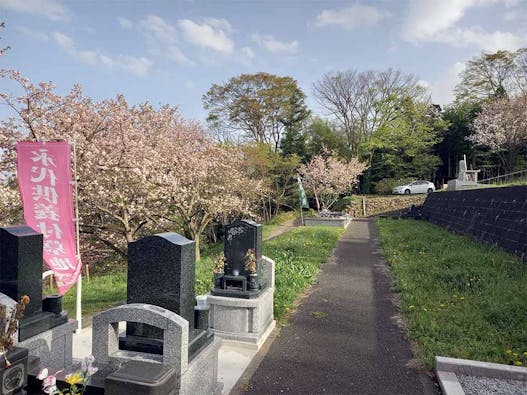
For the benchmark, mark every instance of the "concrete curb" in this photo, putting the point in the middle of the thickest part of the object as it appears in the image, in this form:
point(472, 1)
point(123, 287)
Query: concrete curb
point(448, 368)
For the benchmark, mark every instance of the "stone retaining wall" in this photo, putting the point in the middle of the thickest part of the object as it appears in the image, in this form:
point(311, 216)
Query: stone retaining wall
point(494, 215)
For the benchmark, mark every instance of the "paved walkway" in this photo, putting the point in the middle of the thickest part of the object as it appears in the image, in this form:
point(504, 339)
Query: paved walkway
point(285, 227)
point(343, 339)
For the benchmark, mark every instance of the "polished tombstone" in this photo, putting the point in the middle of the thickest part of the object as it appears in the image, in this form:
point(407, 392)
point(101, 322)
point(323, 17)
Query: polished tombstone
point(161, 272)
point(240, 237)
point(44, 329)
point(171, 372)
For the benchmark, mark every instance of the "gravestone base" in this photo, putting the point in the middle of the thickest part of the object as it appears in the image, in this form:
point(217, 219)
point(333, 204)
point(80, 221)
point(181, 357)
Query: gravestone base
point(32, 325)
point(137, 377)
point(53, 347)
point(342, 222)
point(201, 376)
point(198, 340)
point(242, 320)
point(237, 291)
point(458, 185)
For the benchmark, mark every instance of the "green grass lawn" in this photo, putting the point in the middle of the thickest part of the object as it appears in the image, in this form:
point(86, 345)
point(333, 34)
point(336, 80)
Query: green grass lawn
point(298, 254)
point(461, 299)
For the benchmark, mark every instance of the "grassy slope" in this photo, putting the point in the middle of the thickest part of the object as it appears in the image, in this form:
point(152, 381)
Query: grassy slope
point(462, 299)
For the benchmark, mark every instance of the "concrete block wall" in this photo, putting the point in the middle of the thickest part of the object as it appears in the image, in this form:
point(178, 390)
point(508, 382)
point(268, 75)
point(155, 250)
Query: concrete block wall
point(494, 215)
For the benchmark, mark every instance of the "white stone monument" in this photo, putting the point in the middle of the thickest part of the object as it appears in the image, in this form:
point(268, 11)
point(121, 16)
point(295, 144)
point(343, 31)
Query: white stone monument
point(466, 179)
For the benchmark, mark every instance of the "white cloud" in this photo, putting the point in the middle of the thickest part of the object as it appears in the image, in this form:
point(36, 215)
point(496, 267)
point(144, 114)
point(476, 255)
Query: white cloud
point(207, 35)
point(433, 21)
point(65, 42)
point(246, 56)
point(443, 88)
point(248, 52)
point(163, 39)
point(355, 17)
point(175, 54)
point(135, 65)
point(32, 35)
point(125, 23)
point(483, 40)
point(221, 24)
point(273, 45)
point(157, 29)
point(88, 57)
point(426, 18)
point(49, 8)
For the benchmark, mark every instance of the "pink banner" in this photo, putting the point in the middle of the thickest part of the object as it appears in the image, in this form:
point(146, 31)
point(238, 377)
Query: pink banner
point(45, 184)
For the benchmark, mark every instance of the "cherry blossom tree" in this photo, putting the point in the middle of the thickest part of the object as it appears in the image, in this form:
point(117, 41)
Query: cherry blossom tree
point(140, 169)
point(202, 182)
point(330, 177)
point(502, 127)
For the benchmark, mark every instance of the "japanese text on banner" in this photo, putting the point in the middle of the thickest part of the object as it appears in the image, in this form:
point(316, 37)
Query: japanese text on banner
point(44, 179)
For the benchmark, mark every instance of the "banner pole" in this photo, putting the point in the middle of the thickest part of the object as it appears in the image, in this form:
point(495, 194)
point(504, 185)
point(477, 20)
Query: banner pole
point(78, 305)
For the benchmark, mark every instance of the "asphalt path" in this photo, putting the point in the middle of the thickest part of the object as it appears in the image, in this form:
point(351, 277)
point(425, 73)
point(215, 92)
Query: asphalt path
point(344, 337)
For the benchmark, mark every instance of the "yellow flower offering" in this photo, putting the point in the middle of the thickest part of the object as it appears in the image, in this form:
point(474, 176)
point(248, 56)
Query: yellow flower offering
point(74, 378)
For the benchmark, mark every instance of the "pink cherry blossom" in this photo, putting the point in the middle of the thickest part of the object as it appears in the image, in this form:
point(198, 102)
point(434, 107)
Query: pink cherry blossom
point(330, 177)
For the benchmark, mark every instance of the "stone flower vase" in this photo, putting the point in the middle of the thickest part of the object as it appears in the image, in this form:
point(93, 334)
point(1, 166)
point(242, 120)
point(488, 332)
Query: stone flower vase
point(13, 375)
point(253, 281)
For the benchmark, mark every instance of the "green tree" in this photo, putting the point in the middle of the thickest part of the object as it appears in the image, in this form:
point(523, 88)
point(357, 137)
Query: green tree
point(454, 143)
point(277, 174)
point(362, 102)
point(314, 137)
point(321, 136)
point(260, 107)
point(403, 147)
point(493, 76)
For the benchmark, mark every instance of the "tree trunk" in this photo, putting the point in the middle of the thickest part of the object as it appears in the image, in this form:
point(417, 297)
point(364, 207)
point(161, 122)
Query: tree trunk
point(196, 246)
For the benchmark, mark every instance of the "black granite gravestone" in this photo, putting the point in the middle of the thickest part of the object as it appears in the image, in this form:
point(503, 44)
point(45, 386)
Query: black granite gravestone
point(21, 265)
point(21, 274)
point(240, 237)
point(161, 272)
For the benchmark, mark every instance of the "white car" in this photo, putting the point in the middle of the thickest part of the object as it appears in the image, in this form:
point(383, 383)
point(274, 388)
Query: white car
point(418, 186)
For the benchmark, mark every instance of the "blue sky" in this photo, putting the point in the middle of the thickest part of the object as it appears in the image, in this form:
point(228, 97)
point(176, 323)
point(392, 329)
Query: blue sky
point(173, 51)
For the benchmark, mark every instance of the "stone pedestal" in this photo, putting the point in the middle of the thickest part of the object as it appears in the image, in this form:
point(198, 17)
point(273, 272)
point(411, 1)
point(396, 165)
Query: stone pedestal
point(201, 376)
point(342, 222)
point(242, 320)
point(53, 347)
point(196, 376)
point(461, 185)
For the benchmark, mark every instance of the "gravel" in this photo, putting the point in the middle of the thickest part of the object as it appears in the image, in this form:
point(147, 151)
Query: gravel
point(486, 386)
